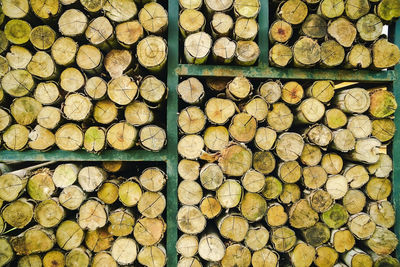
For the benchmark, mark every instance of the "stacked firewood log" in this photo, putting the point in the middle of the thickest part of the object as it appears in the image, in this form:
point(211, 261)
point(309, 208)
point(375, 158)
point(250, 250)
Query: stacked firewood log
point(68, 214)
point(224, 31)
point(274, 172)
point(82, 74)
point(333, 33)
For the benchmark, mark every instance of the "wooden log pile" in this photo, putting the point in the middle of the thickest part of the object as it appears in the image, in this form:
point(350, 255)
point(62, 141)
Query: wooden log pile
point(221, 32)
point(333, 33)
point(289, 172)
point(82, 74)
point(69, 214)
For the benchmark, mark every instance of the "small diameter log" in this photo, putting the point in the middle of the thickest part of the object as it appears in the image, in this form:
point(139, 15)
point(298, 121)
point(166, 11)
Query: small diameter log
point(356, 175)
point(253, 206)
point(264, 138)
point(42, 37)
point(96, 88)
point(280, 118)
point(292, 93)
point(211, 176)
point(108, 192)
point(191, 90)
point(94, 139)
point(383, 167)
point(15, 9)
point(320, 200)
point(292, 140)
point(257, 237)
point(321, 90)
point(152, 256)
point(18, 213)
point(71, 80)
point(5, 119)
point(122, 90)
point(343, 140)
point(191, 146)
point(153, 179)
point(117, 62)
point(317, 235)
point(32, 260)
point(49, 213)
point(149, 231)
point(152, 138)
point(369, 27)
point(120, 11)
point(383, 103)
point(105, 112)
point(247, 53)
point(335, 217)
point(191, 120)
point(382, 213)
point(124, 250)
point(103, 258)
point(273, 188)
point(3, 42)
point(357, 257)
point(310, 111)
point(314, 26)
point(293, 11)
point(189, 192)
point(216, 138)
point(360, 126)
point(326, 256)
point(187, 245)
point(222, 6)
point(384, 54)
point(11, 186)
point(64, 50)
point(383, 241)
point(190, 261)
point(72, 23)
point(221, 25)
point(211, 247)
point(247, 9)
point(233, 227)
point(78, 256)
point(245, 29)
point(152, 53)
point(236, 255)
point(41, 139)
point(355, 9)
point(311, 155)
point(314, 177)
point(366, 150)
point(130, 193)
point(16, 137)
point(71, 197)
point(100, 33)
point(47, 93)
point(45, 10)
point(129, 33)
point(301, 215)
point(89, 58)
point(27, 242)
point(223, 50)
point(243, 127)
point(276, 215)
point(270, 91)
point(17, 31)
point(25, 110)
point(18, 57)
point(283, 239)
point(290, 193)
point(69, 137)
point(280, 31)
point(337, 186)
point(306, 52)
point(332, 54)
point(361, 226)
point(153, 90)
point(383, 129)
point(17, 83)
point(152, 204)
point(191, 21)
point(386, 260)
point(197, 47)
point(210, 207)
point(302, 254)
point(77, 107)
point(154, 18)
point(65, 175)
point(342, 240)
point(40, 186)
point(387, 10)
point(280, 55)
point(121, 222)
point(137, 113)
point(229, 194)
point(358, 57)
point(331, 8)
point(91, 177)
point(378, 188)
point(92, 215)
point(253, 181)
point(265, 257)
point(289, 171)
point(190, 4)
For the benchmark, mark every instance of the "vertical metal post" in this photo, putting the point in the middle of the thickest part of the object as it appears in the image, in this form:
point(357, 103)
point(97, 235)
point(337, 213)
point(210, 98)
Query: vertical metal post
point(172, 132)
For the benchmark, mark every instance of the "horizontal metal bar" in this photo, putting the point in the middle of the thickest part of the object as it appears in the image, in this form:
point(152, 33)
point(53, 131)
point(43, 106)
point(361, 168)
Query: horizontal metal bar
point(108, 155)
point(286, 73)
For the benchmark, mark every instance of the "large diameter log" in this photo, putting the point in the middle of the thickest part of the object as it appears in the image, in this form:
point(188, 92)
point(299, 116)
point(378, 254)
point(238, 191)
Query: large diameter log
point(293, 11)
point(221, 25)
point(187, 245)
point(17, 31)
point(317, 234)
point(385, 54)
point(16, 137)
point(280, 31)
point(383, 241)
point(283, 239)
point(191, 21)
point(357, 257)
point(292, 93)
point(332, 54)
point(382, 213)
point(18, 57)
point(383, 103)
point(152, 53)
point(11, 186)
point(306, 52)
point(314, 26)
point(361, 225)
point(326, 256)
point(265, 257)
point(331, 8)
point(253, 207)
point(233, 227)
point(15, 9)
point(64, 50)
point(343, 31)
point(335, 217)
point(211, 247)
point(124, 250)
point(71, 80)
point(280, 118)
point(342, 240)
point(129, 33)
point(27, 242)
point(280, 55)
point(72, 23)
point(292, 140)
point(221, 6)
point(69, 137)
point(190, 220)
point(236, 255)
point(387, 10)
point(302, 254)
point(42, 37)
point(383, 129)
point(276, 215)
point(120, 11)
point(190, 4)
point(369, 27)
point(247, 53)
point(257, 237)
point(49, 213)
point(301, 215)
point(17, 83)
point(245, 29)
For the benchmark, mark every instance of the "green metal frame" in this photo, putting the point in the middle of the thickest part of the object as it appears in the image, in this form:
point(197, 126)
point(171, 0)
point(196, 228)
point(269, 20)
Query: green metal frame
point(262, 70)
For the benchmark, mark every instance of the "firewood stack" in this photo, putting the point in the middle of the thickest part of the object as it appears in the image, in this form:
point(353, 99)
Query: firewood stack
point(333, 33)
point(289, 172)
point(224, 31)
point(82, 74)
point(83, 215)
